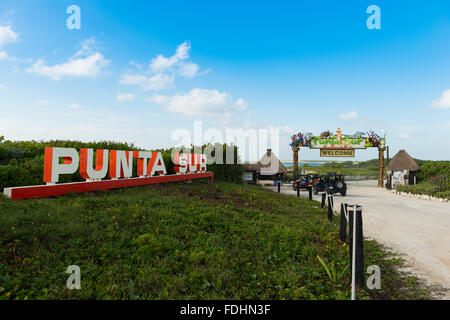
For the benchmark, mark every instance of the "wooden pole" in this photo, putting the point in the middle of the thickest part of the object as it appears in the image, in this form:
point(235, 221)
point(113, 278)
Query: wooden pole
point(295, 154)
point(380, 166)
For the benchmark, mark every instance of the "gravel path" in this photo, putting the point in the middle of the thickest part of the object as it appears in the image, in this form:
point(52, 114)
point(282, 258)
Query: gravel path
point(417, 228)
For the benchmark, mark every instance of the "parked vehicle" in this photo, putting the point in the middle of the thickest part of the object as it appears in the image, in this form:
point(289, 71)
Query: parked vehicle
point(332, 183)
point(304, 181)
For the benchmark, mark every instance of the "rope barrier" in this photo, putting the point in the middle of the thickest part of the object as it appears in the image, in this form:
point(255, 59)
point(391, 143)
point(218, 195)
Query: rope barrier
point(330, 196)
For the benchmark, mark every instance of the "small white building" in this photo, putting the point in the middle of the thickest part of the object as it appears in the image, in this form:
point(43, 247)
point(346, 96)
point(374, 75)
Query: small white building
point(402, 169)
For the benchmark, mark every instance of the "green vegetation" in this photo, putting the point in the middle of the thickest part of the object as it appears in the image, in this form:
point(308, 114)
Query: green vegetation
point(433, 179)
point(429, 169)
point(184, 241)
point(367, 169)
point(427, 188)
point(366, 172)
point(22, 162)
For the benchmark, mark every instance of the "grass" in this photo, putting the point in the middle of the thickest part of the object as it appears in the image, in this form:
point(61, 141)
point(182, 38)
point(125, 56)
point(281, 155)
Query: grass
point(184, 241)
point(438, 189)
point(367, 169)
point(369, 172)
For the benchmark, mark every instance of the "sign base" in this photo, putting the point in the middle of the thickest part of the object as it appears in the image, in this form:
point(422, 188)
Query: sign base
point(43, 191)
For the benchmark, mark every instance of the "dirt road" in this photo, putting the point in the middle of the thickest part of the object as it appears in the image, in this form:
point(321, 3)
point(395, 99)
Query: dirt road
point(417, 228)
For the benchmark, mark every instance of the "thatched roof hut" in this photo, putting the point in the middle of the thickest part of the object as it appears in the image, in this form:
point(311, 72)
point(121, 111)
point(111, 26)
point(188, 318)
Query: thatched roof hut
point(269, 164)
point(402, 161)
point(402, 169)
point(269, 167)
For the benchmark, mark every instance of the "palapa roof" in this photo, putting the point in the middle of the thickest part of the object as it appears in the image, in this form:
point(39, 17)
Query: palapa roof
point(402, 161)
point(269, 164)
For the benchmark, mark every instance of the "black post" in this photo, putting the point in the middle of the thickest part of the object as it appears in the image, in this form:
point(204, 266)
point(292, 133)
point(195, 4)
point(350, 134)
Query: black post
point(350, 234)
point(298, 190)
point(330, 207)
point(359, 250)
point(359, 258)
point(279, 186)
point(350, 238)
point(343, 223)
point(324, 197)
point(310, 192)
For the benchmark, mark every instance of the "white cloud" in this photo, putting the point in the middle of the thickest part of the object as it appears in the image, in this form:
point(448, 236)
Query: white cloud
point(155, 82)
point(201, 102)
point(135, 64)
point(240, 104)
point(404, 136)
point(7, 35)
point(444, 101)
point(124, 97)
point(88, 67)
point(87, 47)
point(75, 106)
point(85, 63)
point(163, 70)
point(188, 70)
point(4, 56)
point(161, 63)
point(349, 115)
point(2, 87)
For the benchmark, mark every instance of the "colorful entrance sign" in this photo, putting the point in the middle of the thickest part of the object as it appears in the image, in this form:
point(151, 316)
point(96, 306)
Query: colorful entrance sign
point(339, 145)
point(333, 142)
point(346, 153)
point(117, 164)
point(327, 140)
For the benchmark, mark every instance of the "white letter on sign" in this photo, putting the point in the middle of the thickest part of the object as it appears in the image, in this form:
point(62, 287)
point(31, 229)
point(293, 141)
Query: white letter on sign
point(120, 164)
point(52, 167)
point(157, 164)
point(125, 162)
point(181, 162)
point(203, 161)
point(194, 162)
point(143, 160)
point(87, 170)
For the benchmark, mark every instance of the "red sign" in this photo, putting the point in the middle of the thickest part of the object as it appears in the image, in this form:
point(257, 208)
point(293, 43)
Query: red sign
point(117, 164)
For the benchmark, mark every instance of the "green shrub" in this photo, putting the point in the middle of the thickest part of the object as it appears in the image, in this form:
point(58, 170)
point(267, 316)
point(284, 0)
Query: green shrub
point(422, 188)
point(443, 194)
point(431, 169)
point(433, 179)
point(22, 162)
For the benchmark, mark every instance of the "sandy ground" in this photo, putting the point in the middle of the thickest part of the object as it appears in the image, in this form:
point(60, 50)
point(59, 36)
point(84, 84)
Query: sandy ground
point(417, 229)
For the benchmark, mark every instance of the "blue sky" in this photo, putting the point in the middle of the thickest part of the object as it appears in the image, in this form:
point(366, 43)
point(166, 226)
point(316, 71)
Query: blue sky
point(137, 72)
